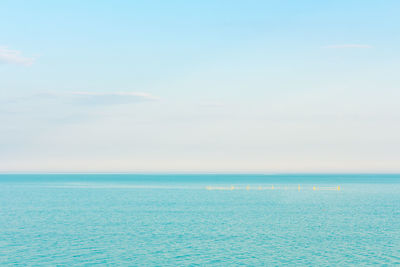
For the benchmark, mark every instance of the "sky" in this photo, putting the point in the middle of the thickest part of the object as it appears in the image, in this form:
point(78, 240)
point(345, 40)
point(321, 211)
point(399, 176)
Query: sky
point(200, 86)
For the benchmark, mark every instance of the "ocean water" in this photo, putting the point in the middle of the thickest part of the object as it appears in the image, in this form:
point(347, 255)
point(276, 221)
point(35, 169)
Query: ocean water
point(207, 220)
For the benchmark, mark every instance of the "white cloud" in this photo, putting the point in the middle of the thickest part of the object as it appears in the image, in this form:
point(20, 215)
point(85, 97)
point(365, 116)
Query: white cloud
point(348, 46)
point(96, 98)
point(85, 98)
point(14, 57)
point(66, 107)
point(126, 94)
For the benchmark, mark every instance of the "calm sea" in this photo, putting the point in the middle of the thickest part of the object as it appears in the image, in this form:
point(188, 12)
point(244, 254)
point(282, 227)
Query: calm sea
point(220, 220)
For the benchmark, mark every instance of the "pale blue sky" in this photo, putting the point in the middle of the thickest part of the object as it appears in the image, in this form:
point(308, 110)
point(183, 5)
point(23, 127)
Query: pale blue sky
point(209, 86)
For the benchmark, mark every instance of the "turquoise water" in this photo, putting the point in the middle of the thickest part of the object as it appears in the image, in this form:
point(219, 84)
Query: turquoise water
point(172, 220)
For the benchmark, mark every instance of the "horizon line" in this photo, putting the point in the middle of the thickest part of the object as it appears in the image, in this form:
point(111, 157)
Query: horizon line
point(202, 173)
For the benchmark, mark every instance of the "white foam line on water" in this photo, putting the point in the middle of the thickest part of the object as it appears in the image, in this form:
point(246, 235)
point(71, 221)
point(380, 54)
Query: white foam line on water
point(272, 187)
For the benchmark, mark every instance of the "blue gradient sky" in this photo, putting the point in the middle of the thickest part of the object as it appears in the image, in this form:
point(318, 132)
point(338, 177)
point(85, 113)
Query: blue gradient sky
point(200, 86)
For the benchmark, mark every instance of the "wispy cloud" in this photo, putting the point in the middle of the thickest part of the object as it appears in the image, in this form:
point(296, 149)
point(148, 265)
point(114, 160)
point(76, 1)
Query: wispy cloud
point(14, 57)
point(70, 107)
point(87, 98)
point(342, 46)
point(122, 94)
point(84, 97)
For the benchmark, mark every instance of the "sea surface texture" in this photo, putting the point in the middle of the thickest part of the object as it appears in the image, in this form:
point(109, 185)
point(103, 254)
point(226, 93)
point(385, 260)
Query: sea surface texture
point(207, 220)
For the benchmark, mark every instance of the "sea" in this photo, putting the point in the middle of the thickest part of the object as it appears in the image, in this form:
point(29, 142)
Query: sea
point(199, 219)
